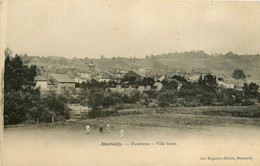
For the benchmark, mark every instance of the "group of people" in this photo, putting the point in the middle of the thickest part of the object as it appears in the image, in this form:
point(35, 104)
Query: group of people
point(101, 126)
point(101, 129)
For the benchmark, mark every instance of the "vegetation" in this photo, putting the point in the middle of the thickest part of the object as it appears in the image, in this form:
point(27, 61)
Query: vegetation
point(205, 92)
point(23, 101)
point(238, 74)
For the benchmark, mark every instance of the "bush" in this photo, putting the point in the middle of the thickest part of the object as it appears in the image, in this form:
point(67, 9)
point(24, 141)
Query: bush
point(207, 98)
point(248, 102)
point(153, 105)
point(189, 102)
point(165, 99)
point(95, 112)
point(107, 113)
point(242, 112)
point(130, 112)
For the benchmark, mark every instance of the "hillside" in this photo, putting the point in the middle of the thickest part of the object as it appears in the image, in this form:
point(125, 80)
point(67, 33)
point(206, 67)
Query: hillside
point(187, 62)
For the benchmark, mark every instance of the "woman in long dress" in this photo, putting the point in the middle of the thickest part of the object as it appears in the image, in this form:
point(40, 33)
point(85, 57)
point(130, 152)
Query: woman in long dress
point(108, 128)
point(101, 127)
point(121, 133)
point(88, 129)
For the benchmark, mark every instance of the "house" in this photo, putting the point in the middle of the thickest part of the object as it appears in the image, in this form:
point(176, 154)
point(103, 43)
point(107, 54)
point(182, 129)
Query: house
point(144, 88)
point(62, 81)
point(71, 72)
point(134, 74)
point(125, 90)
point(194, 78)
point(226, 85)
point(41, 82)
point(119, 73)
point(158, 75)
point(146, 71)
point(107, 76)
point(179, 86)
point(158, 85)
point(78, 111)
point(80, 75)
point(83, 76)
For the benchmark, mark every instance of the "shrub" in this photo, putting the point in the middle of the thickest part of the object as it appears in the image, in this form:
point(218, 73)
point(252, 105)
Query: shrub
point(107, 113)
point(165, 99)
point(206, 98)
point(248, 102)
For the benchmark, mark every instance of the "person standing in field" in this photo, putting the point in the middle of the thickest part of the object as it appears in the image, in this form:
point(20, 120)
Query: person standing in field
point(101, 127)
point(88, 129)
point(121, 133)
point(108, 128)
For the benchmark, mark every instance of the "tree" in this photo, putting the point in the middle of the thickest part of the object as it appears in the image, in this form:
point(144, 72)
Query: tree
point(251, 90)
point(148, 81)
point(238, 74)
point(206, 98)
point(15, 107)
point(210, 80)
point(208, 83)
point(112, 99)
point(180, 78)
point(165, 99)
point(169, 84)
point(19, 89)
point(57, 105)
point(201, 81)
point(17, 76)
point(95, 102)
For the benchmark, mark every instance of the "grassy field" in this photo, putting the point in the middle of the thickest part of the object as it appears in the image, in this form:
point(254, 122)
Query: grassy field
point(181, 118)
point(197, 133)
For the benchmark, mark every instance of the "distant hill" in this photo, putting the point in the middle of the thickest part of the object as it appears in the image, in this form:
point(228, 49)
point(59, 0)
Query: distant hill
point(186, 61)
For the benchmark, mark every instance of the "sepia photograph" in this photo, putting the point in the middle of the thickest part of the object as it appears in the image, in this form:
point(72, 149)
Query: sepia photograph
point(129, 83)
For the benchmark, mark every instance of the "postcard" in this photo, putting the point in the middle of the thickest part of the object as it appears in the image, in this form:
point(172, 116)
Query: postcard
point(129, 83)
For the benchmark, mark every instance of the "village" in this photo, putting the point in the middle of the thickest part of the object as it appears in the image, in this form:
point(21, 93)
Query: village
point(69, 78)
point(121, 81)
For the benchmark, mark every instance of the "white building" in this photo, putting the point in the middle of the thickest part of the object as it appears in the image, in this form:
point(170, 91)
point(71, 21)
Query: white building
point(158, 85)
point(226, 85)
point(41, 82)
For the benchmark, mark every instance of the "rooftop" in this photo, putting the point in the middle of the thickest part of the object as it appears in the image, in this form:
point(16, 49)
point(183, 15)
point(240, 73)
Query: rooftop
point(40, 78)
point(62, 78)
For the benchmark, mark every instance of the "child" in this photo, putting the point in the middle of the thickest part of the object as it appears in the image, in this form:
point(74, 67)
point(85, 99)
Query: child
point(88, 129)
point(101, 127)
point(121, 133)
point(108, 128)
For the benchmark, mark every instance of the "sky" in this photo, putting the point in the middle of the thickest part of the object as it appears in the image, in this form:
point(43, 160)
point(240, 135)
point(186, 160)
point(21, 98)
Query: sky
point(131, 28)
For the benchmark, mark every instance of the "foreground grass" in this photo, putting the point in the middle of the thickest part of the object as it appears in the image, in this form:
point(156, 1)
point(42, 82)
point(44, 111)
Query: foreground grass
point(178, 118)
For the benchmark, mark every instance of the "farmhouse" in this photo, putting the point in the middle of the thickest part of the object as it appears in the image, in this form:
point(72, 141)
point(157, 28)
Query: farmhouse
point(41, 82)
point(62, 81)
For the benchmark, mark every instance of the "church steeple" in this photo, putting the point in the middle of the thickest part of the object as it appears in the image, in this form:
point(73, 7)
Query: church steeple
point(91, 66)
